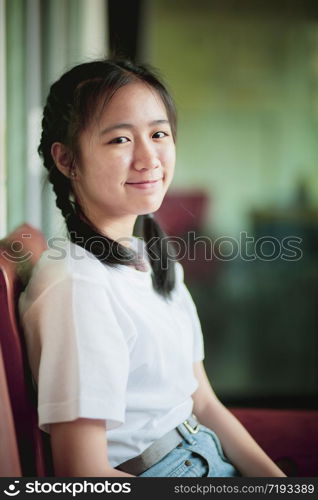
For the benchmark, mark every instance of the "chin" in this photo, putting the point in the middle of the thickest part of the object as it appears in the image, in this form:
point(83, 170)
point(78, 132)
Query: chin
point(148, 208)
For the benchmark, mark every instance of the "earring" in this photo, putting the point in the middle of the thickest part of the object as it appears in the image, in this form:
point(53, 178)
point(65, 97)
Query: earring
point(73, 173)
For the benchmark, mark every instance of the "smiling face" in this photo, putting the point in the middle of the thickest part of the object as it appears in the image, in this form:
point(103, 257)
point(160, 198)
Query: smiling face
point(126, 158)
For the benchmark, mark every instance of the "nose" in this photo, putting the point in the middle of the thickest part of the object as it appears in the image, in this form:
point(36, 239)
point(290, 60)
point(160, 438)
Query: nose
point(146, 157)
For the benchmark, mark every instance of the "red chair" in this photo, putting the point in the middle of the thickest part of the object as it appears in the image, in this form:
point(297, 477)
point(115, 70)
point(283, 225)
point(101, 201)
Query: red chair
point(9, 455)
point(18, 253)
point(289, 437)
point(183, 216)
point(183, 211)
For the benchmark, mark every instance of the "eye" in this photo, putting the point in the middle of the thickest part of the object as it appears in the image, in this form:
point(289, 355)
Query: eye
point(159, 135)
point(119, 140)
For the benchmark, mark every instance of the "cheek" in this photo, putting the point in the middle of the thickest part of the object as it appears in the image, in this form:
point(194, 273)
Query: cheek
point(168, 158)
point(108, 169)
point(169, 163)
point(169, 169)
point(119, 156)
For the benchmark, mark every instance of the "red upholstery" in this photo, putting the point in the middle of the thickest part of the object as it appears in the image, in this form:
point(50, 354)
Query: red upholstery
point(183, 211)
point(289, 437)
point(9, 455)
point(18, 252)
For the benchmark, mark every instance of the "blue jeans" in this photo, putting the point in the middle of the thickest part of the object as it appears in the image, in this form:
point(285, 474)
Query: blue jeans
point(198, 455)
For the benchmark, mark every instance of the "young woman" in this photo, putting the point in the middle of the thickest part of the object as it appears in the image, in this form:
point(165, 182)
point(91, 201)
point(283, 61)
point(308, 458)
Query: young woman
point(113, 336)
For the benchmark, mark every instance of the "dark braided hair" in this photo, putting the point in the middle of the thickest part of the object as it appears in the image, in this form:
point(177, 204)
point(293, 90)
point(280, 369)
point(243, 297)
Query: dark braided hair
point(72, 102)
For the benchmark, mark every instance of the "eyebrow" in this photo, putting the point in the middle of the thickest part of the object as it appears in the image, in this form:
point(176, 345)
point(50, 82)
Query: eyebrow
point(131, 126)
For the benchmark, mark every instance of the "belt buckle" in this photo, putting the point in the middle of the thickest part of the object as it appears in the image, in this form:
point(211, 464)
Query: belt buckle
point(192, 430)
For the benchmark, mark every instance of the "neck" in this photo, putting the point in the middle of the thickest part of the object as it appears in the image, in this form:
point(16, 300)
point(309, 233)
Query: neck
point(119, 229)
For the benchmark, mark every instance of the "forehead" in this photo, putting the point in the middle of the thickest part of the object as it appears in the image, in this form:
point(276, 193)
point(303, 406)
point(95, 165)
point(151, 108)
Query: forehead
point(137, 101)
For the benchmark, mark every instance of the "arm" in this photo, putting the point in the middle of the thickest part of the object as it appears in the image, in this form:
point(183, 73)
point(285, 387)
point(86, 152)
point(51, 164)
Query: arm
point(238, 444)
point(79, 449)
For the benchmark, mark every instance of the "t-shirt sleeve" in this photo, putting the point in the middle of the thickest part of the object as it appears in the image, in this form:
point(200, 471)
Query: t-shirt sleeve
point(198, 341)
point(79, 354)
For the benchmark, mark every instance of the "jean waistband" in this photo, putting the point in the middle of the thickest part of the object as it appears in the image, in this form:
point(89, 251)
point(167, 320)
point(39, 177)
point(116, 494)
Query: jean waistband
point(161, 447)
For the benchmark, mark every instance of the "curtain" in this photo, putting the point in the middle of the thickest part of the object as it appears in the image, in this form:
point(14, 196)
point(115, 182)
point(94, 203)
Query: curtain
point(43, 38)
point(3, 207)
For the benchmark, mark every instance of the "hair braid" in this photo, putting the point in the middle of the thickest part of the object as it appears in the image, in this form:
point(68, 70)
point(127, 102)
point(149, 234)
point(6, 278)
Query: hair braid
point(161, 254)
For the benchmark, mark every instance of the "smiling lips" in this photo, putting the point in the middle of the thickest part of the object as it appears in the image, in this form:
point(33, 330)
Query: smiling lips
point(144, 184)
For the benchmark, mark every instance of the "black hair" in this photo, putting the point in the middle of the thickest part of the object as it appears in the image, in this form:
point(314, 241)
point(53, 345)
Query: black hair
point(72, 102)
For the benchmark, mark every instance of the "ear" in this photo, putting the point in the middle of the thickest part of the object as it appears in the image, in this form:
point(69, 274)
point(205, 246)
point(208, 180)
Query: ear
point(62, 158)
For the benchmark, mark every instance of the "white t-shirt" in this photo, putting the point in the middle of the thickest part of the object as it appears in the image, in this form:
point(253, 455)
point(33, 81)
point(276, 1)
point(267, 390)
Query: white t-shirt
point(103, 344)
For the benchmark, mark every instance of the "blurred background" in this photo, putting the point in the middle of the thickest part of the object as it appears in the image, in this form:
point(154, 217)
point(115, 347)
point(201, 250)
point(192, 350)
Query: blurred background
point(244, 75)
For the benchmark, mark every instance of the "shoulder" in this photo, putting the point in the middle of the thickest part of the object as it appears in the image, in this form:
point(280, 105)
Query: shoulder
point(63, 262)
point(64, 259)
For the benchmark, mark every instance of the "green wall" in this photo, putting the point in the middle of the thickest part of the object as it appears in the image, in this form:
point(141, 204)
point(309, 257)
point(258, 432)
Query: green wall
point(246, 85)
